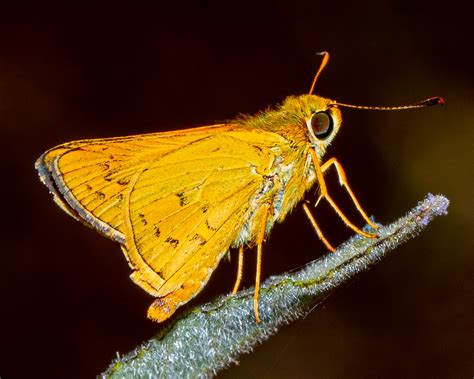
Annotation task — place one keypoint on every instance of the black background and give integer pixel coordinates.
(103, 70)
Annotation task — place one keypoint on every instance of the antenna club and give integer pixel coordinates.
(432, 101)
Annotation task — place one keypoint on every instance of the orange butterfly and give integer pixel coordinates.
(178, 201)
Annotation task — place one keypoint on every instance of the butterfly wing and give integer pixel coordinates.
(88, 178)
(175, 201)
(185, 210)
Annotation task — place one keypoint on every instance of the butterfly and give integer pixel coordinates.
(177, 201)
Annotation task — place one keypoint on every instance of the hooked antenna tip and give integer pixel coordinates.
(432, 101)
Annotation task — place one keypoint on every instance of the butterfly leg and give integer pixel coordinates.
(325, 195)
(260, 238)
(240, 270)
(343, 182)
(317, 229)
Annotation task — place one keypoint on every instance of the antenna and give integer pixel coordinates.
(421, 104)
(323, 64)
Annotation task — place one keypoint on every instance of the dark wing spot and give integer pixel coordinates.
(209, 226)
(89, 187)
(104, 166)
(157, 231)
(198, 237)
(143, 219)
(100, 195)
(173, 242)
(204, 209)
(123, 181)
(183, 200)
(216, 149)
(109, 175)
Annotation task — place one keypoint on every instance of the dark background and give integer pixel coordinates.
(74, 72)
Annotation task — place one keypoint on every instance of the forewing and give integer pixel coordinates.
(90, 178)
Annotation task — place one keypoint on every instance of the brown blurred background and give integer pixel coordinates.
(73, 72)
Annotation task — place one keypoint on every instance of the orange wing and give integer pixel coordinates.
(175, 201)
(88, 178)
(184, 211)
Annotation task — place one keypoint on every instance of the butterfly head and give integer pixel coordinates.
(321, 118)
(318, 118)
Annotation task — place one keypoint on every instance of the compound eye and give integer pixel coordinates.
(322, 124)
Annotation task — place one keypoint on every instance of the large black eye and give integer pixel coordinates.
(322, 124)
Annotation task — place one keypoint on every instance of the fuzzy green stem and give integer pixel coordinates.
(212, 336)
